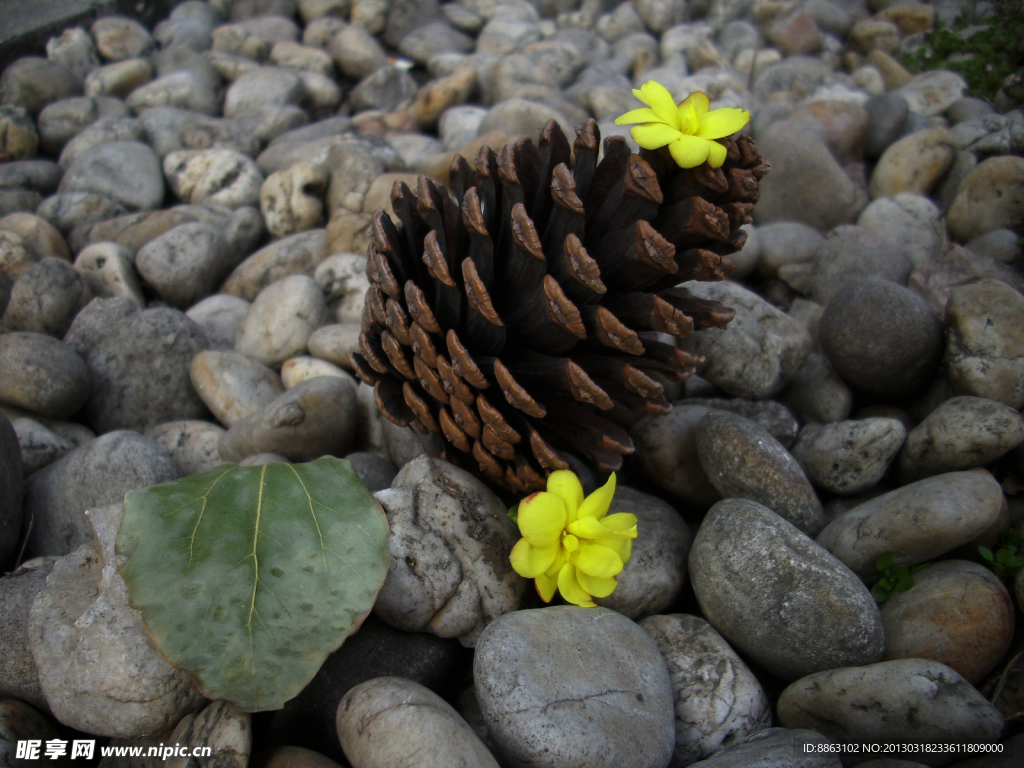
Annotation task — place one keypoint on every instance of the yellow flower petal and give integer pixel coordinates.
(570, 588)
(642, 115)
(597, 503)
(595, 586)
(654, 135)
(689, 151)
(689, 117)
(596, 560)
(621, 523)
(621, 547)
(542, 517)
(530, 561)
(566, 486)
(561, 558)
(716, 154)
(589, 528)
(546, 586)
(699, 102)
(722, 123)
(656, 96)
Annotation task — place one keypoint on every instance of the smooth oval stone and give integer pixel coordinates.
(39, 236)
(882, 338)
(335, 343)
(914, 523)
(232, 385)
(410, 725)
(872, 703)
(213, 176)
(98, 473)
(139, 364)
(192, 444)
(313, 419)
(779, 597)
(127, 172)
(850, 253)
(186, 263)
(667, 453)
(849, 457)
(549, 706)
(220, 316)
(450, 542)
(281, 319)
(104, 131)
(818, 393)
(297, 254)
(118, 37)
(910, 220)
(771, 416)
(220, 729)
(760, 350)
(299, 369)
(717, 698)
(958, 613)
(985, 341)
(991, 196)
(34, 82)
(655, 573)
(962, 433)
(42, 375)
(913, 164)
(743, 461)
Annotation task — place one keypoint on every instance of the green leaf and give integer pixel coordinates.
(900, 572)
(986, 553)
(513, 514)
(884, 561)
(1002, 556)
(880, 593)
(248, 577)
(904, 583)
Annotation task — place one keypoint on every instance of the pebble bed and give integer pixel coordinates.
(185, 216)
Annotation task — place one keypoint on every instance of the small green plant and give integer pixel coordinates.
(983, 57)
(1005, 561)
(898, 578)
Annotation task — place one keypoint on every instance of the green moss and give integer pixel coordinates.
(983, 58)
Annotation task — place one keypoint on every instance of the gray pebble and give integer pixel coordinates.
(281, 320)
(666, 449)
(882, 338)
(851, 253)
(191, 444)
(39, 445)
(375, 472)
(888, 113)
(98, 668)
(126, 172)
(962, 433)
(118, 38)
(718, 700)
(849, 457)
(777, 596)
(774, 418)
(108, 270)
(910, 220)
(357, 53)
(312, 419)
(743, 461)
(757, 353)
(655, 573)
(185, 263)
(63, 120)
(874, 702)
(411, 725)
(817, 393)
(296, 254)
(46, 298)
(384, 89)
(785, 242)
(34, 82)
(546, 704)
(450, 542)
(42, 375)
(183, 89)
(915, 523)
(74, 50)
(139, 364)
(220, 315)
(214, 176)
(18, 676)
(100, 472)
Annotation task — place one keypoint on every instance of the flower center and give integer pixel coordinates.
(570, 542)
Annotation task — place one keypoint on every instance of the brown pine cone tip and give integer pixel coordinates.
(526, 314)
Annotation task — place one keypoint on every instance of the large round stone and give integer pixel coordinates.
(547, 705)
(882, 338)
(42, 375)
(779, 597)
(127, 172)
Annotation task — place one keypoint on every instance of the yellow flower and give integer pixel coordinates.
(570, 543)
(689, 130)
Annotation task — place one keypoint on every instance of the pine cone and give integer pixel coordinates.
(528, 316)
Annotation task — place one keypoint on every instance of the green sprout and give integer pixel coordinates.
(898, 578)
(1005, 562)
